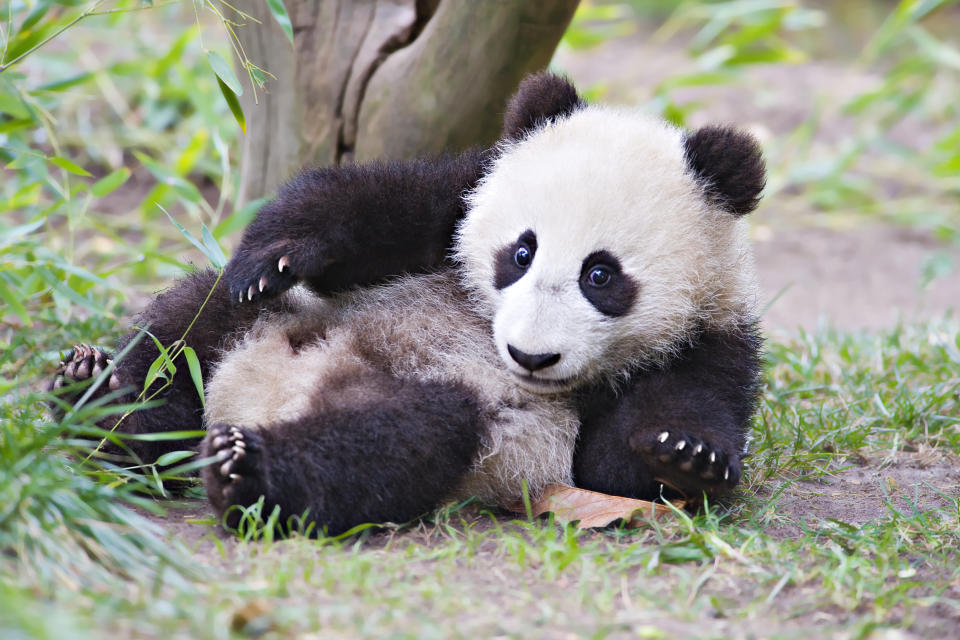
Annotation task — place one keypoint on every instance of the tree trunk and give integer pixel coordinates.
(385, 78)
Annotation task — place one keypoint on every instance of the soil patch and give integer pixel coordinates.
(910, 484)
(870, 278)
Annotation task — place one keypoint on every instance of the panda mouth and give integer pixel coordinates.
(544, 384)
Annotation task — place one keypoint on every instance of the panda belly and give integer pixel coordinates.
(420, 326)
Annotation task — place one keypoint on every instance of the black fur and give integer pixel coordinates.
(617, 295)
(705, 397)
(389, 460)
(730, 165)
(540, 97)
(506, 270)
(356, 225)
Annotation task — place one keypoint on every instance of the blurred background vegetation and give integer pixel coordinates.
(114, 113)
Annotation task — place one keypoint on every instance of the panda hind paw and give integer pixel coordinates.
(83, 362)
(689, 463)
(235, 476)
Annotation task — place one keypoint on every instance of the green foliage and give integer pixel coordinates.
(101, 146)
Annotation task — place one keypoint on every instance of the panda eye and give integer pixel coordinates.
(606, 286)
(523, 256)
(512, 261)
(599, 277)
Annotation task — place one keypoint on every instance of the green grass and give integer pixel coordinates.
(769, 562)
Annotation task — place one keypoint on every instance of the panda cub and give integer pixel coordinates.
(575, 305)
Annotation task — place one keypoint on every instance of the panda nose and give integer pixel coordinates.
(533, 361)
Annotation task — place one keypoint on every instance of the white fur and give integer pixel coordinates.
(614, 180)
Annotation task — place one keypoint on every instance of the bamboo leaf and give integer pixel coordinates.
(214, 254)
(224, 72)
(69, 293)
(110, 182)
(163, 360)
(8, 235)
(193, 363)
(70, 166)
(13, 105)
(164, 436)
(154, 372)
(234, 105)
(213, 248)
(280, 14)
(239, 219)
(164, 175)
(173, 457)
(66, 83)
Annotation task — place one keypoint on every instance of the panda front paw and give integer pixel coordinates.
(687, 463)
(255, 274)
(237, 475)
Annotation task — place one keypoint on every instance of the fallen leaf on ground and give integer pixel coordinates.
(252, 618)
(593, 509)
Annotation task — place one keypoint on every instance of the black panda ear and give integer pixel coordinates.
(730, 166)
(541, 96)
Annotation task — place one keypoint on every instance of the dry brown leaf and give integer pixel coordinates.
(252, 617)
(593, 509)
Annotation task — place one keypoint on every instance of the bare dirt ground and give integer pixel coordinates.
(860, 494)
(867, 278)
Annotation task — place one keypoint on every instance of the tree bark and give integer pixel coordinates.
(369, 79)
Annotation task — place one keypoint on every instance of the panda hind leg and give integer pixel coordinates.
(395, 454)
(197, 306)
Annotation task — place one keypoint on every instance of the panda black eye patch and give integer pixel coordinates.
(513, 260)
(605, 286)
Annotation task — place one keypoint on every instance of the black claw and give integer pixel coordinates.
(687, 462)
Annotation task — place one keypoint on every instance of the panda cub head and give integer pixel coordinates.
(602, 240)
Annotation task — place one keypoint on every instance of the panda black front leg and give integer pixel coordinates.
(683, 425)
(335, 228)
(682, 461)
